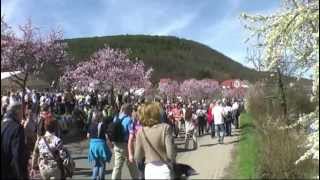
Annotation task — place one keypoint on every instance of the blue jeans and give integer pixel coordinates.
(98, 170)
(220, 129)
(228, 128)
(212, 126)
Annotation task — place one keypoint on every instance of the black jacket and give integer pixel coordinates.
(13, 150)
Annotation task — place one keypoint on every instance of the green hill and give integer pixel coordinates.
(170, 57)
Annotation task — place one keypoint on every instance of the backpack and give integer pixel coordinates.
(229, 116)
(115, 130)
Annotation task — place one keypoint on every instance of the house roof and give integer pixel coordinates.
(229, 82)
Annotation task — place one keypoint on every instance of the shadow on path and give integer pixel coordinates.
(226, 143)
(87, 172)
(179, 150)
(180, 143)
(236, 141)
(208, 145)
(73, 136)
(80, 157)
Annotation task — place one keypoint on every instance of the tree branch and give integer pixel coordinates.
(19, 83)
(16, 76)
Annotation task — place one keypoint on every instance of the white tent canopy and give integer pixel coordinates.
(5, 75)
(32, 83)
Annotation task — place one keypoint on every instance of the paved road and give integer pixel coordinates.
(210, 160)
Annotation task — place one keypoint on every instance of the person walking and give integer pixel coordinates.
(30, 131)
(155, 143)
(14, 158)
(121, 147)
(134, 129)
(45, 112)
(177, 117)
(210, 120)
(68, 101)
(235, 113)
(48, 152)
(228, 118)
(190, 128)
(99, 152)
(4, 105)
(218, 121)
(201, 113)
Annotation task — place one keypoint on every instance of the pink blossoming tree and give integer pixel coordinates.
(234, 92)
(108, 69)
(197, 89)
(168, 87)
(30, 52)
(208, 87)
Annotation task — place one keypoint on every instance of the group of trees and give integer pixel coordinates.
(32, 51)
(104, 70)
(197, 89)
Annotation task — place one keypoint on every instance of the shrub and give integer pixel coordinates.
(279, 152)
(279, 146)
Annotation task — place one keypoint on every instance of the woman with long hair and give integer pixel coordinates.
(155, 143)
(48, 149)
(134, 129)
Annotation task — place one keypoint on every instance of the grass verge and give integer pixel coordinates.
(247, 152)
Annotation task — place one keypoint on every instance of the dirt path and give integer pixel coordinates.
(209, 160)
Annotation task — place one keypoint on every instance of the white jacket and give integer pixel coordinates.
(218, 114)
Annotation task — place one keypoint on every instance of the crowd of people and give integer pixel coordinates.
(137, 131)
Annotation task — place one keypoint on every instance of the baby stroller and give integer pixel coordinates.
(190, 133)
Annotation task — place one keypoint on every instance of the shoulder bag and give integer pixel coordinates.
(171, 165)
(66, 170)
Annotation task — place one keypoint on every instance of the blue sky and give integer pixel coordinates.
(212, 22)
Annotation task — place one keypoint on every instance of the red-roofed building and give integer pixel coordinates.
(164, 80)
(234, 83)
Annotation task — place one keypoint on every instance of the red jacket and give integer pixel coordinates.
(209, 116)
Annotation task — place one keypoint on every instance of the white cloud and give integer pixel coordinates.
(228, 35)
(176, 24)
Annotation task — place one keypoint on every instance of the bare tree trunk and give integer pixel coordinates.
(24, 84)
(283, 99)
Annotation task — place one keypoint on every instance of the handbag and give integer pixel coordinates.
(171, 165)
(66, 166)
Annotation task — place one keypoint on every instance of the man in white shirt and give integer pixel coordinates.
(218, 121)
(42, 99)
